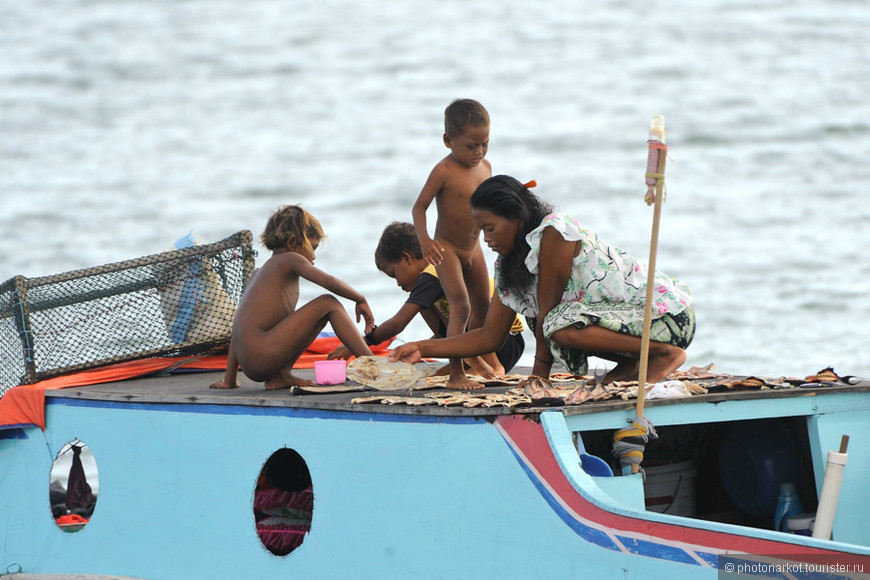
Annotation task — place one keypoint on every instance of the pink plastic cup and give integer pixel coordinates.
(330, 372)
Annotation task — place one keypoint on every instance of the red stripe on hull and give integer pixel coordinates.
(530, 440)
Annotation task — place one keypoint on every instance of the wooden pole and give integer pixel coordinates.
(650, 281)
(656, 183)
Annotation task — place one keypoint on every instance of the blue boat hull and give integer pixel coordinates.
(395, 495)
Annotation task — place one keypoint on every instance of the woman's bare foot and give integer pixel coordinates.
(625, 370)
(221, 384)
(463, 383)
(664, 363)
(664, 359)
(286, 379)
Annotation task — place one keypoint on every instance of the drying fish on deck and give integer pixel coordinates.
(471, 400)
(537, 393)
(696, 388)
(662, 390)
(373, 399)
(596, 393)
(579, 395)
(567, 381)
(541, 394)
(748, 383)
(456, 399)
(569, 378)
(504, 380)
(392, 400)
(505, 400)
(324, 390)
(601, 392)
(381, 374)
(705, 372)
(745, 383)
(824, 375)
(828, 376)
(410, 401)
(547, 398)
(668, 390)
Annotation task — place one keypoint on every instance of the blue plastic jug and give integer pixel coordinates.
(789, 504)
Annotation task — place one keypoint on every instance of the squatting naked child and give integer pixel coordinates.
(269, 332)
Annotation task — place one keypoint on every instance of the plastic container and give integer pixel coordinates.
(801, 524)
(594, 465)
(591, 464)
(788, 505)
(330, 372)
(670, 488)
(754, 458)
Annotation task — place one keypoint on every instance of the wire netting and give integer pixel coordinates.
(177, 303)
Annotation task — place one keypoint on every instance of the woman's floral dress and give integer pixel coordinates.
(607, 288)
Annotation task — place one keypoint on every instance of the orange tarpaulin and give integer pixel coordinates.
(24, 405)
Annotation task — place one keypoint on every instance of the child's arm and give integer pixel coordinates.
(487, 338)
(432, 249)
(363, 310)
(307, 270)
(384, 330)
(396, 324)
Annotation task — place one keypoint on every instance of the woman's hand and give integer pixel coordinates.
(409, 353)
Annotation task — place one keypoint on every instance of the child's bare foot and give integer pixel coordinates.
(223, 385)
(286, 379)
(463, 383)
(478, 366)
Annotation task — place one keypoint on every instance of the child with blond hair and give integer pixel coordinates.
(269, 331)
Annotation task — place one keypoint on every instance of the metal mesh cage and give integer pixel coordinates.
(176, 303)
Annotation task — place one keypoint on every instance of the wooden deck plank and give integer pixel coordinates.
(193, 388)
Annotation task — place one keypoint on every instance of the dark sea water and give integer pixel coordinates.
(124, 124)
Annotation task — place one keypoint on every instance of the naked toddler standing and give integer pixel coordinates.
(455, 249)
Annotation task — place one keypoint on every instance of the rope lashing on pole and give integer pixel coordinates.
(629, 442)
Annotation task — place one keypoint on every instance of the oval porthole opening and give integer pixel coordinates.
(283, 502)
(73, 486)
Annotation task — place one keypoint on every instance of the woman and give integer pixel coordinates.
(586, 298)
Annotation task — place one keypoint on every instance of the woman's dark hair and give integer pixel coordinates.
(506, 197)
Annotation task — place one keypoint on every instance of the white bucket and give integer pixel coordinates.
(670, 488)
(802, 524)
